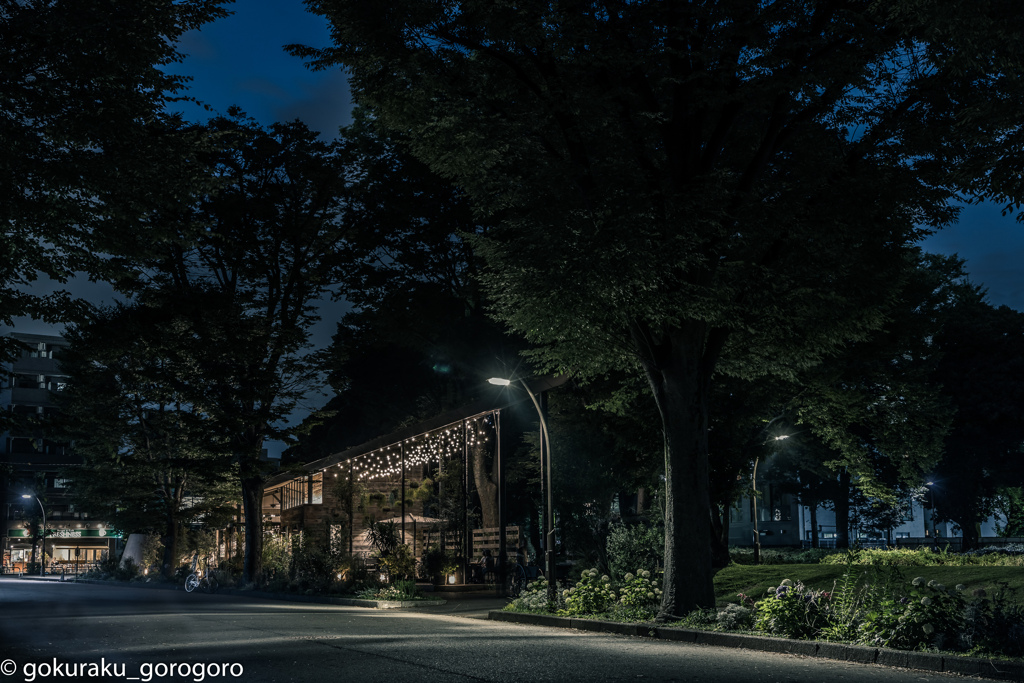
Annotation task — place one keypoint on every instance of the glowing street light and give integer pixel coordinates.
(549, 515)
(42, 563)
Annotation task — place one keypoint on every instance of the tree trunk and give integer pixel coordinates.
(252, 510)
(170, 541)
(969, 528)
(814, 525)
(720, 537)
(842, 507)
(482, 462)
(679, 376)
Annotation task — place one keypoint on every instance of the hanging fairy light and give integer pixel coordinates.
(424, 449)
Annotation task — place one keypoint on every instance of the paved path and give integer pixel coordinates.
(142, 630)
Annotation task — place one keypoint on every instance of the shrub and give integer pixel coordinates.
(591, 595)
(399, 564)
(639, 590)
(399, 590)
(316, 561)
(792, 610)
(127, 570)
(994, 625)
(533, 599)
(277, 559)
(631, 547)
(927, 614)
(734, 617)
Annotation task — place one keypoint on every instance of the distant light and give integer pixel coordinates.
(25, 495)
(499, 381)
(927, 483)
(780, 438)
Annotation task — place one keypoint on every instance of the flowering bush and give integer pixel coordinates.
(792, 610)
(591, 595)
(638, 590)
(733, 617)
(928, 614)
(534, 598)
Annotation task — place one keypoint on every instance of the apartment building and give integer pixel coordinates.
(31, 463)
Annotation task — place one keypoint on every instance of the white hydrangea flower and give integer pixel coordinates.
(918, 581)
(928, 629)
(926, 601)
(786, 582)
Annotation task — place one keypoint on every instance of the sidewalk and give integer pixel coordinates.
(997, 669)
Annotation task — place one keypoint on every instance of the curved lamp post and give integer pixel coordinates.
(549, 515)
(42, 563)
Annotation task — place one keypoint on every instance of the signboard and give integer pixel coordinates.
(66, 533)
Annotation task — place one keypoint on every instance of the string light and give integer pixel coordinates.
(425, 449)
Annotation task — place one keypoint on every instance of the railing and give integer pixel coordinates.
(953, 543)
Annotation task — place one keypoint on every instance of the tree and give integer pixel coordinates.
(982, 373)
(417, 341)
(244, 271)
(152, 462)
(685, 188)
(89, 147)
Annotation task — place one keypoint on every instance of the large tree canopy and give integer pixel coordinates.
(89, 148)
(152, 461)
(245, 270)
(682, 188)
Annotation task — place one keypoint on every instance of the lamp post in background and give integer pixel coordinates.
(931, 500)
(549, 515)
(757, 533)
(42, 562)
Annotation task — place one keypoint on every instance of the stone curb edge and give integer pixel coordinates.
(924, 661)
(287, 597)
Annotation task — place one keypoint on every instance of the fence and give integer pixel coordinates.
(952, 543)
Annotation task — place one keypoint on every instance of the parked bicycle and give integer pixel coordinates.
(203, 579)
(515, 582)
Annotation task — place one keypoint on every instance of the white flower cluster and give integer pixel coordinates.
(639, 590)
(590, 595)
(534, 598)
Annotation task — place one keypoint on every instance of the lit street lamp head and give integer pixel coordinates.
(500, 381)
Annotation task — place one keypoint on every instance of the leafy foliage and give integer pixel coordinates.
(639, 590)
(681, 189)
(590, 595)
(636, 548)
(792, 610)
(91, 153)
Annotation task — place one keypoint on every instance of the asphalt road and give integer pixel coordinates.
(138, 634)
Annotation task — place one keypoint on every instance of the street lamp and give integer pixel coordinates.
(549, 515)
(42, 563)
(931, 496)
(757, 533)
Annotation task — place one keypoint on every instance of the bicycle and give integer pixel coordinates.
(515, 582)
(203, 580)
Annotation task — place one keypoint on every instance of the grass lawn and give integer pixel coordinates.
(754, 580)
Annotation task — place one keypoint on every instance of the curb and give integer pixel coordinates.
(999, 670)
(262, 595)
